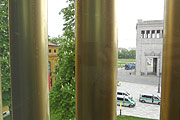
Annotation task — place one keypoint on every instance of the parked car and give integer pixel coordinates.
(125, 101)
(124, 93)
(149, 98)
(130, 66)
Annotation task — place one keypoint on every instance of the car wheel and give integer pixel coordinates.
(143, 101)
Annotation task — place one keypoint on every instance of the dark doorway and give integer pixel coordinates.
(155, 65)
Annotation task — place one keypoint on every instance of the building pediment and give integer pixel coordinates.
(152, 53)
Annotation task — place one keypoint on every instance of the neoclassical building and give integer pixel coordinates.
(149, 43)
(52, 60)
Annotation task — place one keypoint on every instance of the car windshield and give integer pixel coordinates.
(158, 97)
(127, 93)
(130, 98)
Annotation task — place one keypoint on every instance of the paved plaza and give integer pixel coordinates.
(136, 85)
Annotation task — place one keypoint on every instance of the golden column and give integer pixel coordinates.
(170, 105)
(1, 106)
(96, 59)
(29, 59)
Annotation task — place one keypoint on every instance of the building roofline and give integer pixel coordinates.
(52, 44)
(141, 22)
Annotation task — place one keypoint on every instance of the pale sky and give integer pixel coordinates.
(128, 12)
(55, 21)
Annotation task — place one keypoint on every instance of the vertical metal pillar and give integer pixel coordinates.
(29, 59)
(1, 106)
(96, 60)
(170, 105)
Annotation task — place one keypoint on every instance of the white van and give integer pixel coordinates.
(124, 93)
(125, 101)
(149, 98)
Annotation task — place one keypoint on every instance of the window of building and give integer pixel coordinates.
(158, 34)
(148, 34)
(49, 50)
(153, 34)
(142, 34)
(54, 50)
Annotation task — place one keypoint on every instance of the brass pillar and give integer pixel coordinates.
(96, 59)
(29, 59)
(1, 106)
(170, 105)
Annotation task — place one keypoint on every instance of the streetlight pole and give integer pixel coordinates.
(159, 82)
(159, 74)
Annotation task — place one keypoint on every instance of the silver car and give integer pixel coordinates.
(149, 98)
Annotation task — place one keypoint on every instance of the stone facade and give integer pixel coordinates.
(149, 43)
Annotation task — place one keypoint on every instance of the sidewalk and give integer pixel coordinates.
(143, 110)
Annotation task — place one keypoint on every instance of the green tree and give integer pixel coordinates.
(55, 40)
(119, 55)
(125, 54)
(62, 95)
(132, 54)
(4, 52)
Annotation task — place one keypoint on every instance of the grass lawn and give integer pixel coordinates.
(7, 118)
(126, 60)
(118, 118)
(130, 118)
(122, 62)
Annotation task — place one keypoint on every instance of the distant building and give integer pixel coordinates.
(149, 43)
(120, 49)
(52, 60)
(131, 49)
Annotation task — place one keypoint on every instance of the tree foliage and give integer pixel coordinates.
(4, 52)
(55, 40)
(62, 95)
(125, 54)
